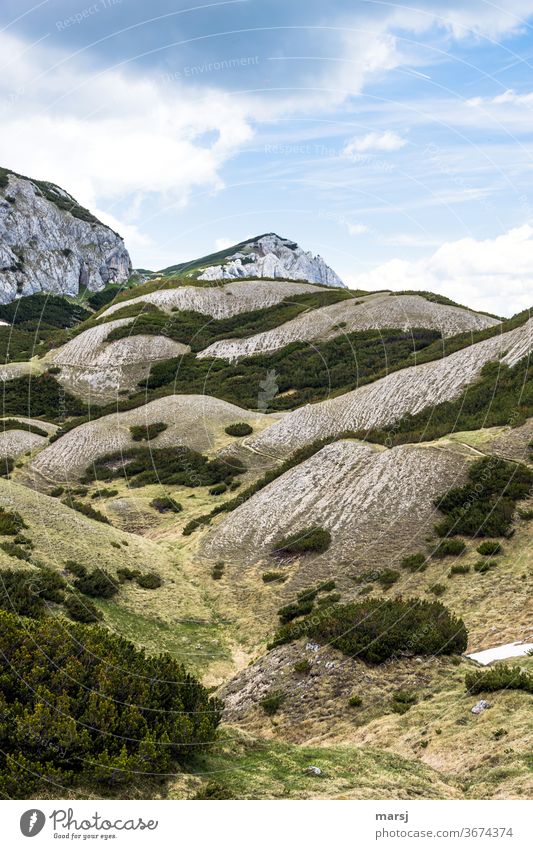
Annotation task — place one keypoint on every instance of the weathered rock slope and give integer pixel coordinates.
(377, 505)
(373, 312)
(197, 421)
(382, 403)
(45, 247)
(220, 301)
(90, 366)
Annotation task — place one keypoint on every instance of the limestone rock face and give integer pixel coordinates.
(272, 256)
(48, 243)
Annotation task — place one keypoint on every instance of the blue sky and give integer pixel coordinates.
(393, 139)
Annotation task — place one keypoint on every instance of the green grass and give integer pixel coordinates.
(258, 769)
(196, 644)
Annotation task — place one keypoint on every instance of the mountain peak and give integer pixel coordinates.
(265, 256)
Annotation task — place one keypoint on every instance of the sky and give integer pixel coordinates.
(393, 139)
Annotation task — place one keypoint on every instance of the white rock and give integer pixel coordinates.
(272, 256)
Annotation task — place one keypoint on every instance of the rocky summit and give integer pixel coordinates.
(272, 256)
(49, 243)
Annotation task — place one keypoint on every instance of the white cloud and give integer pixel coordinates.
(494, 275)
(357, 229)
(385, 141)
(508, 98)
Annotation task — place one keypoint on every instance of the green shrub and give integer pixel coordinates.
(14, 550)
(11, 522)
(15, 424)
(402, 701)
(489, 548)
(75, 568)
(239, 429)
(218, 570)
(302, 666)
(378, 629)
(213, 790)
(81, 609)
(149, 581)
(272, 703)
(166, 504)
(98, 584)
(294, 610)
(87, 510)
(57, 491)
(126, 574)
(415, 562)
(272, 577)
(437, 589)
(7, 464)
(218, 489)
(312, 539)
(355, 701)
(499, 677)
(105, 493)
(459, 569)
(147, 431)
(485, 506)
(449, 547)
(25, 591)
(85, 708)
(482, 566)
(326, 600)
(387, 578)
(169, 466)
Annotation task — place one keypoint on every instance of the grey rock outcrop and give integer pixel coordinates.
(48, 243)
(272, 256)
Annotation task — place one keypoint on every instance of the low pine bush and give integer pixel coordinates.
(355, 701)
(489, 548)
(459, 569)
(98, 584)
(147, 432)
(166, 504)
(449, 547)
(500, 677)
(313, 539)
(415, 562)
(81, 609)
(272, 703)
(239, 429)
(149, 581)
(273, 577)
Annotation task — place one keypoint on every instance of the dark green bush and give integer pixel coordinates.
(218, 489)
(25, 591)
(57, 491)
(449, 547)
(125, 574)
(7, 464)
(272, 703)
(489, 548)
(482, 566)
(87, 510)
(377, 629)
(402, 701)
(166, 504)
(272, 577)
(387, 578)
(147, 431)
(82, 706)
(355, 701)
(313, 539)
(218, 570)
(15, 424)
(459, 569)
(485, 506)
(81, 609)
(302, 666)
(499, 677)
(98, 584)
(214, 790)
(415, 562)
(11, 522)
(105, 493)
(239, 429)
(14, 550)
(437, 589)
(149, 581)
(75, 568)
(171, 466)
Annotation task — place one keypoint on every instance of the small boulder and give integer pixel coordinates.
(313, 770)
(481, 706)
